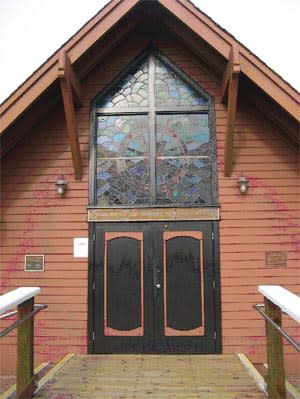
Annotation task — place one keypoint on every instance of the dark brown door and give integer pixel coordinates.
(154, 288)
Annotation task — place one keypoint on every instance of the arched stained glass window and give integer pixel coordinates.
(153, 143)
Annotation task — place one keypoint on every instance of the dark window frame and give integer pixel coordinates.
(152, 111)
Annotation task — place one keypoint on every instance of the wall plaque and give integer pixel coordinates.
(152, 214)
(275, 258)
(34, 263)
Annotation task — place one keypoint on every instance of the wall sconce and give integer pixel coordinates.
(243, 185)
(61, 185)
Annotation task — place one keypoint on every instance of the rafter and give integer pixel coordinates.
(71, 93)
(230, 85)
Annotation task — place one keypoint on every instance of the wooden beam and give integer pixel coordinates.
(233, 85)
(225, 82)
(66, 70)
(67, 90)
(25, 385)
(67, 96)
(276, 374)
(50, 374)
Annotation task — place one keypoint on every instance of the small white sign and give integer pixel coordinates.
(81, 247)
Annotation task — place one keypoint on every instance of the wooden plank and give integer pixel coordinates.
(276, 373)
(145, 376)
(260, 382)
(65, 70)
(290, 388)
(225, 82)
(144, 214)
(10, 391)
(66, 90)
(25, 352)
(53, 371)
(233, 86)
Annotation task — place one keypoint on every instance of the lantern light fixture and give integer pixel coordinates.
(243, 184)
(61, 185)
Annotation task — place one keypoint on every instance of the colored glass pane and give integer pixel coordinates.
(123, 182)
(171, 90)
(182, 162)
(122, 160)
(129, 92)
(182, 134)
(122, 136)
(183, 180)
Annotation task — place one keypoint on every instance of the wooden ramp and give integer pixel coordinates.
(151, 376)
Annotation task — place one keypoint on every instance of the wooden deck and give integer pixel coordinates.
(151, 376)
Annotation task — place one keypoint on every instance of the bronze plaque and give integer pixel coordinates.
(276, 258)
(34, 263)
(151, 214)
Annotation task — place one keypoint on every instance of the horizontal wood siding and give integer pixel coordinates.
(36, 220)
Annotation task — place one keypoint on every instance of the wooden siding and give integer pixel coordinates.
(36, 220)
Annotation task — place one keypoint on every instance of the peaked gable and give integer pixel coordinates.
(254, 72)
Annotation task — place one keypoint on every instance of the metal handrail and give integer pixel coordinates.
(277, 300)
(22, 298)
(260, 308)
(37, 307)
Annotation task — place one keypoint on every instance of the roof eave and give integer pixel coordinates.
(258, 72)
(47, 74)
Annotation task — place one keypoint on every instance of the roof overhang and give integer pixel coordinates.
(267, 89)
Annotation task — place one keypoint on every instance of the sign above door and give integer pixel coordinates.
(152, 214)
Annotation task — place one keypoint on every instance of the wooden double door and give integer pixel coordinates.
(155, 288)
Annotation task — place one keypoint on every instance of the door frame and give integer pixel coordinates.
(92, 265)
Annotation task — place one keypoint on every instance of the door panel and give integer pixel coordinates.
(183, 283)
(154, 288)
(123, 284)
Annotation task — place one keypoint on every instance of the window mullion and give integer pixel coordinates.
(152, 139)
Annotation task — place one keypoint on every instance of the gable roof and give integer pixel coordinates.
(196, 22)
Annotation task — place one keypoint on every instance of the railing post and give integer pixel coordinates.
(276, 375)
(25, 354)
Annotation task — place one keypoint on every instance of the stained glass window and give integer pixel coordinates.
(182, 159)
(129, 92)
(171, 90)
(122, 160)
(159, 155)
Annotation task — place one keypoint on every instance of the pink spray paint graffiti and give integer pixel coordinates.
(284, 225)
(28, 244)
(42, 200)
